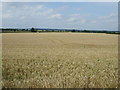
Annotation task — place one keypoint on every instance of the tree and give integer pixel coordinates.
(33, 30)
(14, 30)
(73, 30)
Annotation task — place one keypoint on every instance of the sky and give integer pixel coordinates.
(68, 15)
(60, 0)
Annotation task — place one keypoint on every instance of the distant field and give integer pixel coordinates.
(60, 60)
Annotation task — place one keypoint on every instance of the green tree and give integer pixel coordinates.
(33, 30)
(73, 30)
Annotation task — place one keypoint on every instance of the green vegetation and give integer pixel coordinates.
(9, 30)
(33, 30)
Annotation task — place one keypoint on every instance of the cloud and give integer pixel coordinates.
(76, 18)
(112, 15)
(0, 9)
(56, 16)
(60, 0)
(7, 15)
(109, 21)
(78, 9)
(106, 22)
(26, 15)
(27, 11)
(39, 15)
(93, 21)
(63, 8)
(0, 14)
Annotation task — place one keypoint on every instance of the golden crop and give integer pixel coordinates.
(60, 60)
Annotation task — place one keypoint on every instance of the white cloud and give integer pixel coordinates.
(56, 16)
(7, 15)
(78, 9)
(28, 11)
(72, 19)
(25, 15)
(76, 18)
(47, 12)
(108, 19)
(93, 21)
(34, 15)
(0, 14)
(104, 22)
(65, 7)
(108, 16)
(60, 0)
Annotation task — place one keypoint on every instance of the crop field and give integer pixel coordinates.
(60, 60)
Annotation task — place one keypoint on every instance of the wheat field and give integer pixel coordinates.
(60, 60)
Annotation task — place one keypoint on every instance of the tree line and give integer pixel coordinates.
(10, 30)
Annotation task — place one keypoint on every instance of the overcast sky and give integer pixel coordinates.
(77, 15)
